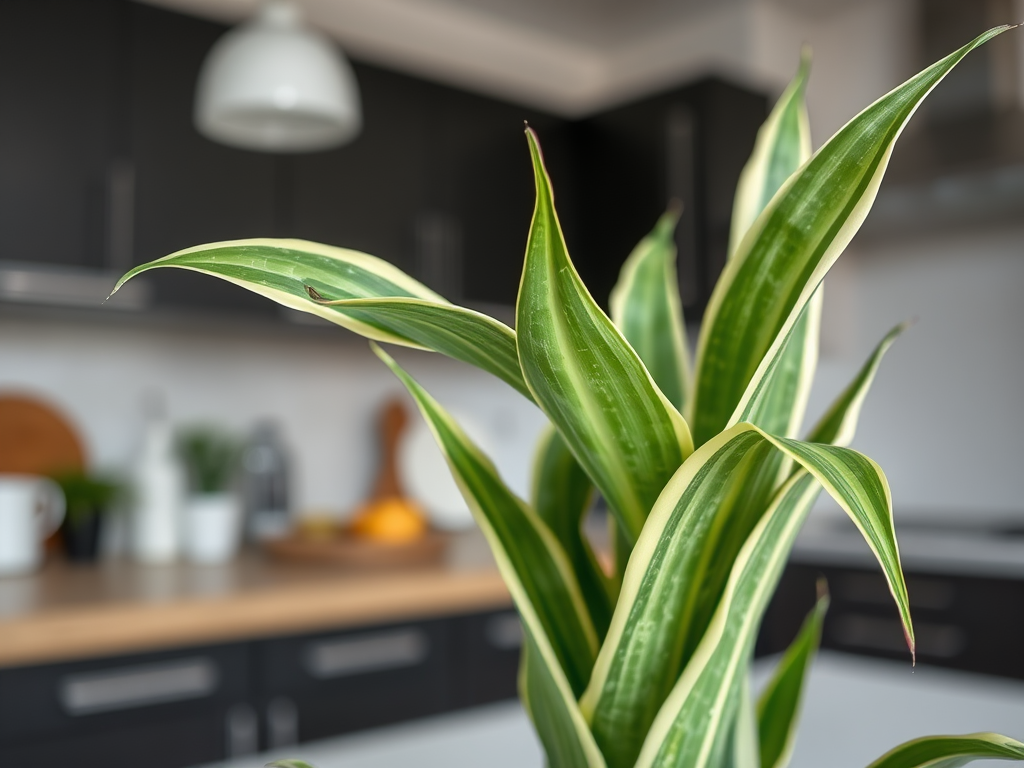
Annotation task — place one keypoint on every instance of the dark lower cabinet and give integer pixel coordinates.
(162, 710)
(488, 653)
(971, 623)
(202, 704)
(322, 685)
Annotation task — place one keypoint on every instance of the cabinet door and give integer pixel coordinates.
(321, 685)
(487, 657)
(58, 63)
(162, 710)
(188, 190)
(962, 622)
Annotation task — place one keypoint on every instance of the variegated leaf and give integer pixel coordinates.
(786, 252)
(951, 751)
(692, 728)
(670, 577)
(532, 562)
(567, 741)
(646, 307)
(743, 749)
(778, 706)
(562, 494)
(587, 379)
(360, 292)
(783, 144)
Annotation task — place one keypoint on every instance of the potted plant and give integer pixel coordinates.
(87, 500)
(646, 664)
(212, 525)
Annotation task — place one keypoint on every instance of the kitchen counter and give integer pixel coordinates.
(71, 611)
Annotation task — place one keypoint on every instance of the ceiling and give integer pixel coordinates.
(570, 57)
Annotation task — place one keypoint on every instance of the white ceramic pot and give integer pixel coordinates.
(31, 508)
(212, 527)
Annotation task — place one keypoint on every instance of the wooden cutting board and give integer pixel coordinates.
(36, 439)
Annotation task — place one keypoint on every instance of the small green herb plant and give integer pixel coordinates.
(211, 458)
(646, 664)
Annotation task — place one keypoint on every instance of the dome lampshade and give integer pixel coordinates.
(274, 85)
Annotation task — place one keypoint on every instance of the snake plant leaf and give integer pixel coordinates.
(951, 751)
(532, 562)
(562, 494)
(289, 764)
(778, 706)
(786, 252)
(622, 429)
(460, 333)
(555, 714)
(783, 144)
(360, 292)
(692, 728)
(743, 749)
(668, 578)
(839, 423)
(646, 307)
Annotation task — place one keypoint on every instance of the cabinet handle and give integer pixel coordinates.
(504, 632)
(242, 730)
(340, 657)
(282, 723)
(143, 685)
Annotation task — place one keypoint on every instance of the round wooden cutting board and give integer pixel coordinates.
(36, 439)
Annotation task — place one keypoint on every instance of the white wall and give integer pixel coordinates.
(945, 416)
(324, 390)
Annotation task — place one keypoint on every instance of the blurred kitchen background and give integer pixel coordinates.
(102, 167)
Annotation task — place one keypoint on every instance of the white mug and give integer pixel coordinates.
(31, 508)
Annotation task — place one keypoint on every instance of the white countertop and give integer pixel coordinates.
(855, 710)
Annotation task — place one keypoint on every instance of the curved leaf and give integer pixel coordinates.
(778, 707)
(785, 254)
(951, 751)
(556, 716)
(531, 561)
(783, 144)
(669, 578)
(742, 749)
(646, 307)
(586, 377)
(357, 291)
(693, 725)
(562, 494)
(459, 333)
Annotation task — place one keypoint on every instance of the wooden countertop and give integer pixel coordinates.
(77, 611)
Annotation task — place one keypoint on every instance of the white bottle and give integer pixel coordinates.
(159, 495)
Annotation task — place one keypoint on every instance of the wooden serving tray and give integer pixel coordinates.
(360, 553)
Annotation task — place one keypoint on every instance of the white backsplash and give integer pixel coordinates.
(324, 391)
(943, 419)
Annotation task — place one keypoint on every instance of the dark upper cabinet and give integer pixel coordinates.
(102, 167)
(690, 144)
(439, 183)
(58, 64)
(187, 190)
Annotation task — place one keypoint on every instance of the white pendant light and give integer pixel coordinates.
(274, 85)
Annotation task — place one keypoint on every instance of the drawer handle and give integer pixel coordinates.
(375, 652)
(504, 632)
(144, 685)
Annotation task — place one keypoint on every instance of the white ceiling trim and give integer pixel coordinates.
(480, 51)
